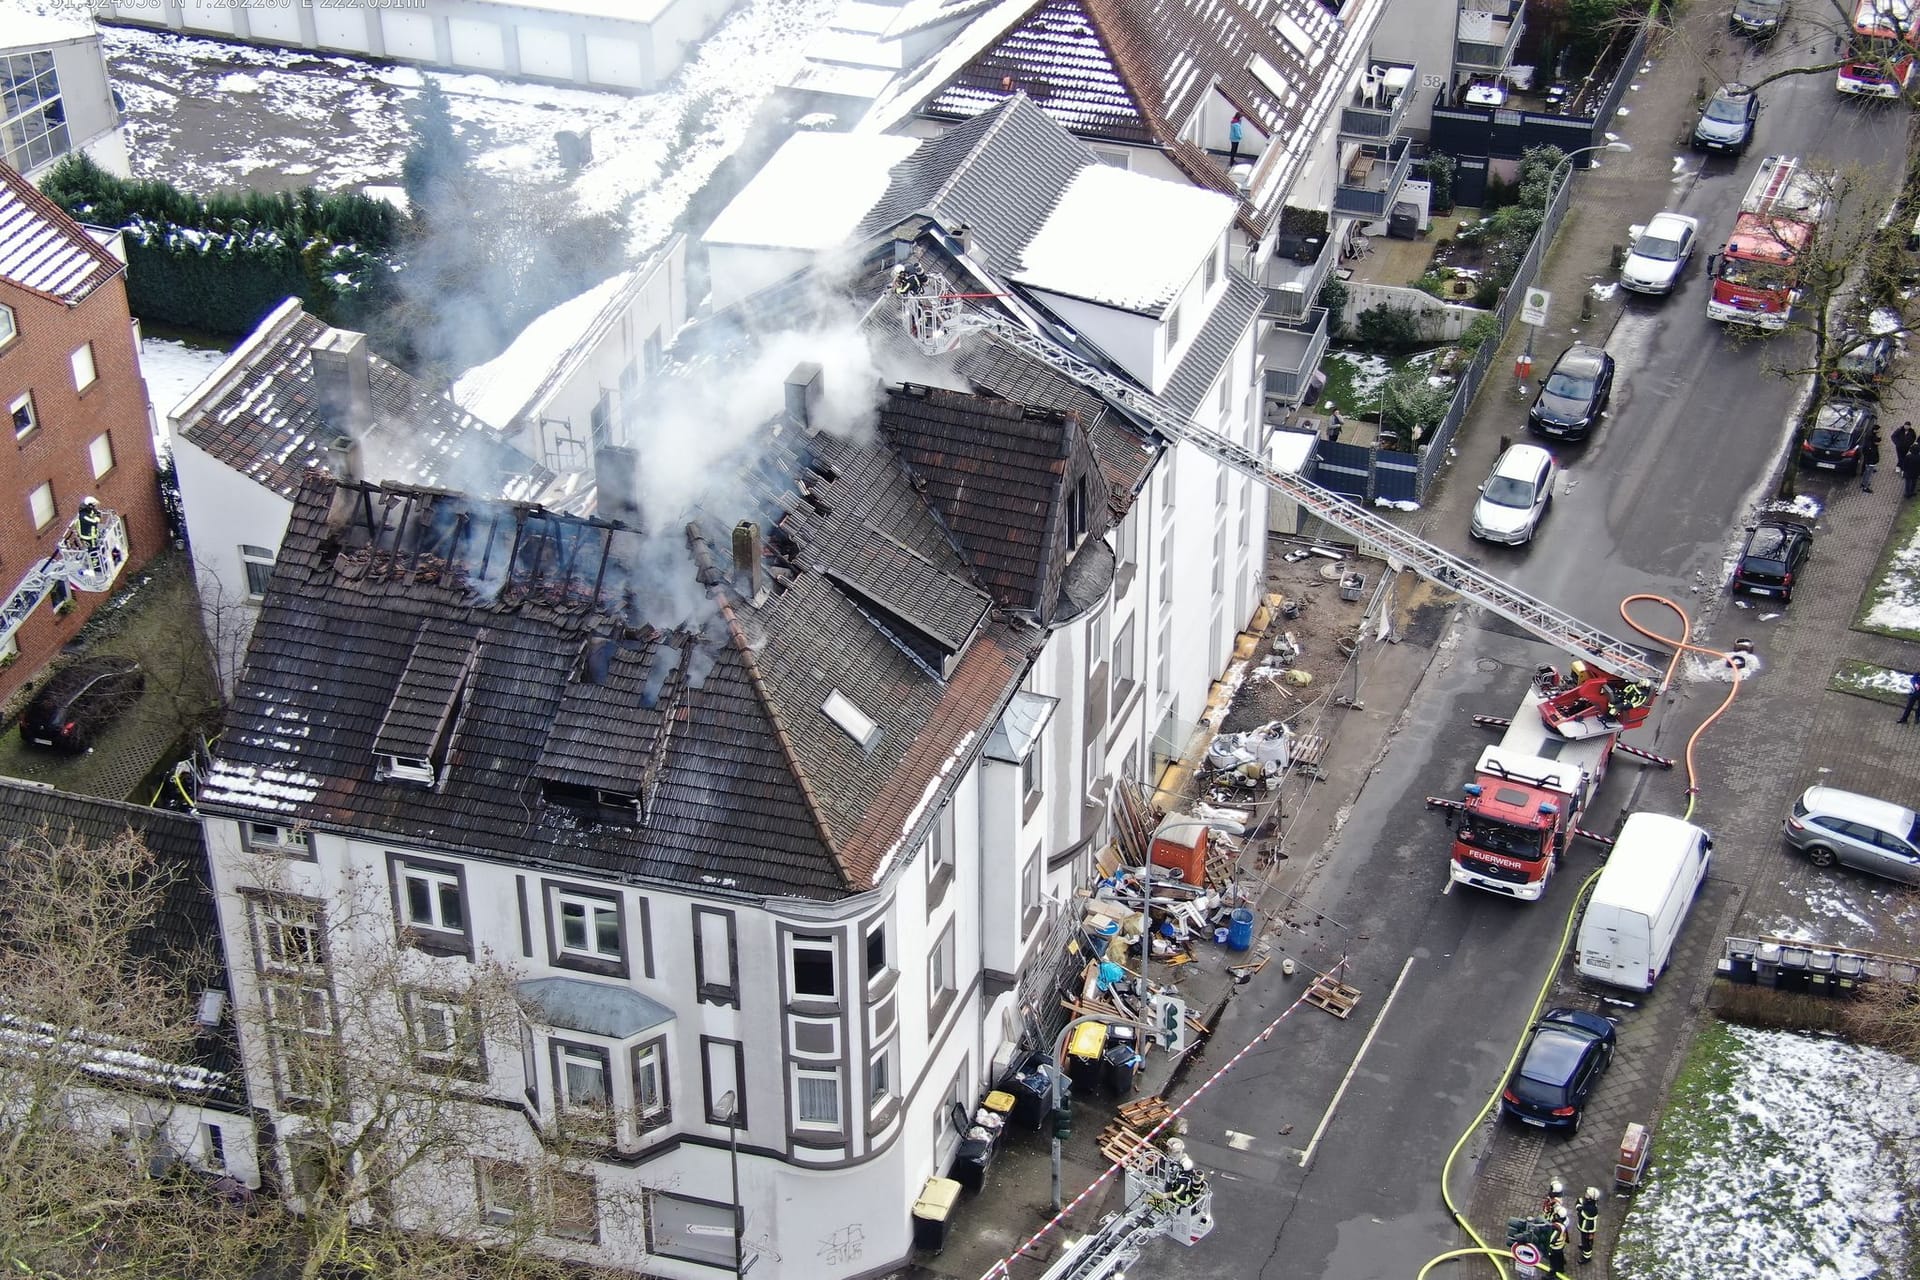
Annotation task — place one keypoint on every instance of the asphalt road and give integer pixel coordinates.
(1653, 503)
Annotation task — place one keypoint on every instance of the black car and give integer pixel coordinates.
(1839, 436)
(80, 700)
(1567, 1052)
(1726, 123)
(1759, 19)
(1574, 393)
(1776, 548)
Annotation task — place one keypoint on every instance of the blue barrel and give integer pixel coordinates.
(1240, 929)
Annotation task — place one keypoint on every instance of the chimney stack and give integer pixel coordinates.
(343, 458)
(616, 478)
(963, 236)
(749, 569)
(343, 381)
(803, 396)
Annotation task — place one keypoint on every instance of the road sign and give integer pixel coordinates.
(1533, 306)
(1527, 1257)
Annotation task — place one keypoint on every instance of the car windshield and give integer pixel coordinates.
(1552, 1058)
(1494, 836)
(1727, 110)
(1761, 8)
(1508, 491)
(1832, 438)
(1769, 543)
(1658, 248)
(1754, 275)
(1570, 386)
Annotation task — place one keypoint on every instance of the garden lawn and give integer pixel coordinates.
(1892, 605)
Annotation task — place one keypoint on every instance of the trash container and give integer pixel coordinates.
(1353, 586)
(1240, 929)
(1032, 1095)
(1084, 1047)
(970, 1161)
(933, 1213)
(1123, 1062)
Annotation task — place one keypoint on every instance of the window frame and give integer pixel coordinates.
(23, 405)
(272, 923)
(93, 454)
(578, 1051)
(292, 841)
(817, 1073)
(33, 504)
(588, 959)
(725, 994)
(1033, 889)
(434, 937)
(252, 558)
(652, 1051)
(9, 325)
(463, 1058)
(80, 386)
(942, 857)
(826, 944)
(489, 1175)
(1123, 669)
(943, 980)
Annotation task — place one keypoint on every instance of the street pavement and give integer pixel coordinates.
(1327, 1143)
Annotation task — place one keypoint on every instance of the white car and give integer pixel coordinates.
(1660, 254)
(1517, 493)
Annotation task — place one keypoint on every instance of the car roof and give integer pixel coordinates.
(1839, 407)
(1669, 225)
(1521, 461)
(1733, 89)
(1884, 815)
(1555, 1052)
(1581, 359)
(1769, 539)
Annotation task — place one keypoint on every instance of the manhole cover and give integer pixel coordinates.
(1486, 664)
(1331, 572)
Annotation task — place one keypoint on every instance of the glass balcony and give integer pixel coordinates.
(1372, 180)
(1379, 102)
(1292, 355)
(1487, 35)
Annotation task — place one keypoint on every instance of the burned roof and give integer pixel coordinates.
(262, 414)
(553, 721)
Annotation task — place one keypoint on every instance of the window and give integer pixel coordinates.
(1163, 659)
(1210, 272)
(300, 1035)
(573, 1209)
(505, 1190)
(723, 1062)
(287, 935)
(100, 454)
(1030, 890)
(7, 326)
(690, 1230)
(816, 1097)
(1123, 663)
(213, 1148)
(1219, 560)
(880, 1077)
(446, 1035)
(940, 857)
(940, 977)
(1220, 494)
(1225, 395)
(713, 957)
(84, 374)
(580, 1073)
(23, 419)
(1033, 769)
(1166, 564)
(60, 594)
(34, 117)
(530, 1063)
(877, 967)
(955, 1103)
(811, 969)
(432, 901)
(265, 835)
(10, 648)
(258, 563)
(587, 927)
(1171, 459)
(650, 1082)
(41, 506)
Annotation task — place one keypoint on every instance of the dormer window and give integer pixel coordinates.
(405, 769)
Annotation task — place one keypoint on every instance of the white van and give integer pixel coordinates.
(1652, 876)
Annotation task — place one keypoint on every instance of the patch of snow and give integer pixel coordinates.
(237, 83)
(1604, 291)
(1801, 505)
(1370, 372)
(813, 192)
(958, 754)
(1400, 505)
(1792, 1175)
(171, 370)
(1898, 604)
(1125, 239)
(495, 392)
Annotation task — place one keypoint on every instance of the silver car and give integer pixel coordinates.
(1517, 493)
(1660, 254)
(1829, 826)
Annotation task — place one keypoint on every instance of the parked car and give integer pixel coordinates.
(1726, 123)
(1516, 495)
(1759, 19)
(1866, 354)
(1776, 547)
(1840, 432)
(1566, 1053)
(1574, 393)
(1830, 825)
(80, 700)
(1660, 254)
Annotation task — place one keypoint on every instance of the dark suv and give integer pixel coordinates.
(1759, 19)
(1839, 436)
(1776, 548)
(80, 700)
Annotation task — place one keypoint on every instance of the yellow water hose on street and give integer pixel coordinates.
(1681, 646)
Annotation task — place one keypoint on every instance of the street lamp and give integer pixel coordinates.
(1553, 182)
(730, 1103)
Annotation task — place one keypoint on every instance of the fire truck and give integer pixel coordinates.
(1530, 790)
(1755, 276)
(1880, 55)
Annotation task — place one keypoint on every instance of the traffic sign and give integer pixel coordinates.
(1527, 1256)
(1533, 306)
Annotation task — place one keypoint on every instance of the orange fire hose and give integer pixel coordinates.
(1682, 646)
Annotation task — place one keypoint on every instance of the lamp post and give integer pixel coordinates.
(729, 1102)
(1566, 161)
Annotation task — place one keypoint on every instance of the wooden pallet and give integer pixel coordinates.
(1143, 1114)
(1308, 748)
(1336, 997)
(1120, 1144)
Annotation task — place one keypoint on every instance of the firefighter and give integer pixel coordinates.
(1553, 1204)
(1589, 1221)
(1557, 1244)
(86, 525)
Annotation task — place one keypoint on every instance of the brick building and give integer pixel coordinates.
(79, 427)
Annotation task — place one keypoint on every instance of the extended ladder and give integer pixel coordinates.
(79, 565)
(936, 323)
(1165, 1197)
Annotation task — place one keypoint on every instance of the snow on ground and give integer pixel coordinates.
(1778, 1164)
(1370, 371)
(1896, 605)
(204, 114)
(172, 369)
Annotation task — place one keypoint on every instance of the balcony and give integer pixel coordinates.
(1379, 102)
(1372, 181)
(1294, 279)
(1486, 36)
(1292, 355)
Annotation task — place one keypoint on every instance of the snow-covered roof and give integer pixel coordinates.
(43, 249)
(1288, 451)
(1125, 239)
(36, 30)
(813, 192)
(497, 391)
(633, 11)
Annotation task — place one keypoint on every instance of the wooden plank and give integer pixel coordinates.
(1308, 748)
(1328, 993)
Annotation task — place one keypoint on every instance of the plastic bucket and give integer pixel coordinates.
(1240, 929)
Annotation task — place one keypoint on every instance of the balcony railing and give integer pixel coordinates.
(1293, 287)
(1292, 355)
(1379, 102)
(1372, 181)
(1485, 41)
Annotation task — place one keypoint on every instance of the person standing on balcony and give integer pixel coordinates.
(1236, 132)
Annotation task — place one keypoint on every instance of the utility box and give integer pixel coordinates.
(1180, 844)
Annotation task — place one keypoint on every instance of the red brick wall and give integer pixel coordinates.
(38, 359)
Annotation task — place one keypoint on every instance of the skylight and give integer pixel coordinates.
(1269, 75)
(854, 722)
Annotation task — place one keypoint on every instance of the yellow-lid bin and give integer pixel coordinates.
(936, 1200)
(1000, 1102)
(1089, 1038)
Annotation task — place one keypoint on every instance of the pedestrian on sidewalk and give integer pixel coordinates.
(1869, 459)
(1236, 134)
(1913, 699)
(1908, 459)
(1588, 1216)
(1903, 438)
